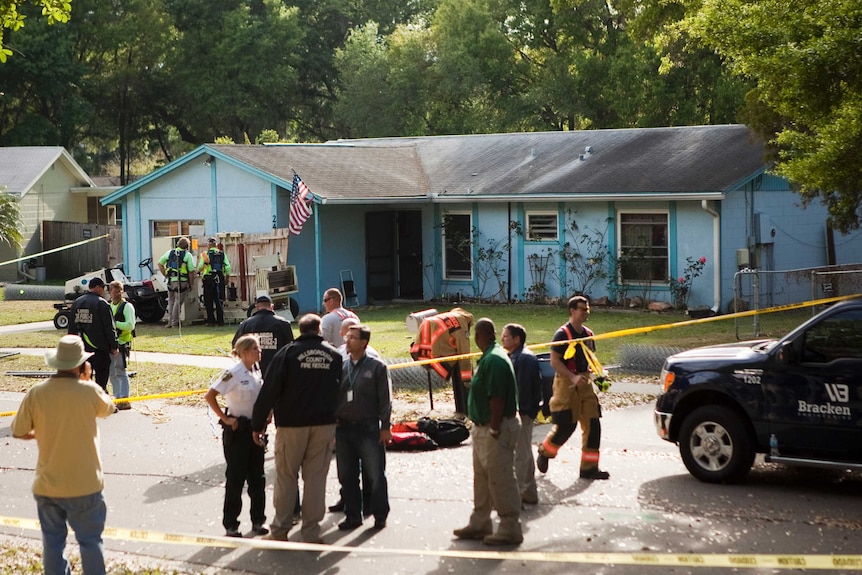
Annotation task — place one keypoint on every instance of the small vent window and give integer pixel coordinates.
(542, 227)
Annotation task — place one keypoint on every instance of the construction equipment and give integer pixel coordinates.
(150, 297)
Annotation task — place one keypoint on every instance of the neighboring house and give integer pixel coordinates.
(48, 185)
(414, 218)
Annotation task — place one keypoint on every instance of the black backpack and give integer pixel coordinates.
(217, 261)
(175, 261)
(444, 432)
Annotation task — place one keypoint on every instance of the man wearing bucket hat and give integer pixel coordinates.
(60, 414)
(93, 321)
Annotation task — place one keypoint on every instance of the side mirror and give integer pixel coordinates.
(786, 353)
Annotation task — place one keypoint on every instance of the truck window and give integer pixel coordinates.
(838, 337)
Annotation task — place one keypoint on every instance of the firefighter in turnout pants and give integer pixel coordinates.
(574, 399)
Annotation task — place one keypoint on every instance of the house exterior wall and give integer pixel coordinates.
(765, 218)
(48, 199)
(342, 247)
(589, 229)
(228, 199)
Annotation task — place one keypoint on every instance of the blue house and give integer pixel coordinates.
(501, 216)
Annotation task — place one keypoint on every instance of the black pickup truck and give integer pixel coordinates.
(798, 400)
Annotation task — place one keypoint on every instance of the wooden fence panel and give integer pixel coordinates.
(73, 262)
(242, 268)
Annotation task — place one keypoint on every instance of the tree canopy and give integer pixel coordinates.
(11, 18)
(128, 83)
(805, 59)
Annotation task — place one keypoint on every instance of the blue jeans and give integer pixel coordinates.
(86, 515)
(358, 445)
(119, 377)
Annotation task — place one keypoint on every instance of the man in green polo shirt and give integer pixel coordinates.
(492, 405)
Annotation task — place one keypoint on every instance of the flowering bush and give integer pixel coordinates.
(680, 287)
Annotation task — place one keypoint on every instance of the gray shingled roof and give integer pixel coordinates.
(20, 167)
(338, 171)
(695, 159)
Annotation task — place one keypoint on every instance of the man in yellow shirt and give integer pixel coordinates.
(60, 414)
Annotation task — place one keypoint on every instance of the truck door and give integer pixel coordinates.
(816, 399)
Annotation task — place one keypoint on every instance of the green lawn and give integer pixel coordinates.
(390, 336)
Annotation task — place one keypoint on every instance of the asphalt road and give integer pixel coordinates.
(164, 473)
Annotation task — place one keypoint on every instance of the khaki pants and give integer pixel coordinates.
(494, 482)
(308, 449)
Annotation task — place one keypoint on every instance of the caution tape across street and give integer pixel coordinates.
(726, 560)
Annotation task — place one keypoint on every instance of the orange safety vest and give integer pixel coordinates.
(443, 335)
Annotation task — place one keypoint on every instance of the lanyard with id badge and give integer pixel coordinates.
(352, 374)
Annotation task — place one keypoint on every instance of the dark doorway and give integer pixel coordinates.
(393, 243)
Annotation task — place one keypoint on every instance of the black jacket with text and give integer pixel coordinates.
(300, 385)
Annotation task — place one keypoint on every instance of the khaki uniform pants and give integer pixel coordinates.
(308, 449)
(494, 482)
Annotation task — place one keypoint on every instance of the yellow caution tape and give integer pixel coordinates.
(754, 561)
(608, 335)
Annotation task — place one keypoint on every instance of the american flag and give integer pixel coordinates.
(300, 209)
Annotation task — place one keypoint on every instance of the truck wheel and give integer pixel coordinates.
(715, 445)
(153, 310)
(62, 319)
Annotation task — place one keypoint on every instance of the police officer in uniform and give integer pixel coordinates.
(93, 321)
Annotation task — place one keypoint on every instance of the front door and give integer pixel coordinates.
(393, 255)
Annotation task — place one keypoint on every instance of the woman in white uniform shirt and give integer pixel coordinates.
(240, 386)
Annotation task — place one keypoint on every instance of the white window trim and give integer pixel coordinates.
(556, 216)
(619, 224)
(443, 233)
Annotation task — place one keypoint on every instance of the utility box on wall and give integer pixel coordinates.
(742, 258)
(764, 231)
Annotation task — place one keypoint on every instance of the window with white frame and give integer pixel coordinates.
(458, 246)
(164, 228)
(643, 247)
(542, 226)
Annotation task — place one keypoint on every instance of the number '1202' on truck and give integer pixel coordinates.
(798, 399)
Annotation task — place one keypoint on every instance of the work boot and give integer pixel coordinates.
(501, 539)
(470, 533)
(595, 473)
(542, 463)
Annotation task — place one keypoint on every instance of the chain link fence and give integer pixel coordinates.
(759, 289)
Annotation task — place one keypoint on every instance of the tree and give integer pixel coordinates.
(234, 69)
(12, 19)
(807, 101)
(10, 220)
(42, 104)
(123, 45)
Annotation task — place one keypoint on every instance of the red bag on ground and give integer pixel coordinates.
(410, 441)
